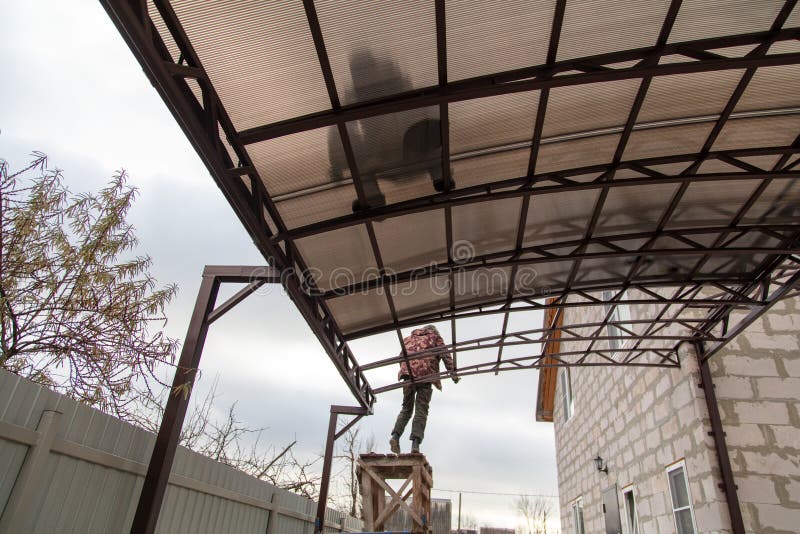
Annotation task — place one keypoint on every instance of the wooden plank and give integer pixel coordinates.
(366, 498)
(414, 515)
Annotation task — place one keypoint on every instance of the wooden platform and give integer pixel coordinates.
(373, 472)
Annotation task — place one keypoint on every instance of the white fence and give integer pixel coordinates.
(65, 467)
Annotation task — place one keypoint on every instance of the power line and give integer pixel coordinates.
(495, 493)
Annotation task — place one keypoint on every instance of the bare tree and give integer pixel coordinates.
(349, 499)
(534, 511)
(76, 306)
(80, 314)
(230, 441)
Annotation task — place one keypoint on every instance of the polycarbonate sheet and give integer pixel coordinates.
(589, 107)
(778, 204)
(412, 241)
(378, 49)
(358, 311)
(772, 88)
(482, 284)
(492, 122)
(665, 141)
(396, 145)
(421, 296)
(593, 27)
(318, 206)
(488, 37)
(560, 217)
(485, 227)
(612, 270)
(339, 258)
(634, 209)
(259, 56)
(576, 153)
(297, 162)
(704, 19)
(541, 279)
(711, 203)
(688, 95)
(759, 132)
(492, 167)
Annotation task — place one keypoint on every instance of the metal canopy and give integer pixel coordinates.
(423, 161)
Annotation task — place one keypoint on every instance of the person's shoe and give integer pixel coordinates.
(394, 444)
(415, 446)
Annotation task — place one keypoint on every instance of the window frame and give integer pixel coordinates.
(629, 490)
(577, 505)
(675, 466)
(567, 397)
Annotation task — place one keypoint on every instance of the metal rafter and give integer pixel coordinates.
(543, 77)
(557, 182)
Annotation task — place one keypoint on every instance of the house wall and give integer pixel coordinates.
(640, 420)
(757, 379)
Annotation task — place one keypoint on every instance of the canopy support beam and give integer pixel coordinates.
(333, 435)
(158, 470)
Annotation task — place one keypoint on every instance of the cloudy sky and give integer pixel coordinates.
(72, 89)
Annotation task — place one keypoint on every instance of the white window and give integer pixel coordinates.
(620, 314)
(631, 519)
(577, 516)
(566, 393)
(681, 498)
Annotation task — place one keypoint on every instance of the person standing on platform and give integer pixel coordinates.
(417, 392)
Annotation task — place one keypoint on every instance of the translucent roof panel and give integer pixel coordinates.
(485, 227)
(487, 37)
(688, 95)
(564, 220)
(402, 245)
(587, 108)
(379, 49)
(612, 24)
(772, 88)
(340, 257)
(259, 56)
(702, 19)
(327, 100)
(298, 163)
(492, 122)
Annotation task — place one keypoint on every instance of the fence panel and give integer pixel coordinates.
(65, 467)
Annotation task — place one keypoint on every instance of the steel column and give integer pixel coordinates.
(359, 412)
(155, 482)
(731, 496)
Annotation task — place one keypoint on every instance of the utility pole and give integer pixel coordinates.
(459, 513)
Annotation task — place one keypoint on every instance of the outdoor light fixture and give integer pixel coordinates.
(600, 464)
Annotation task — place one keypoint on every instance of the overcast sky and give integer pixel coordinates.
(72, 89)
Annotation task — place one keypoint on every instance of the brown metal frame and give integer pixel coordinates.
(223, 150)
(205, 313)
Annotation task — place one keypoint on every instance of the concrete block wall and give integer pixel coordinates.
(757, 379)
(640, 420)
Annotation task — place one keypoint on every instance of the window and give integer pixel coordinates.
(620, 314)
(681, 499)
(630, 510)
(577, 516)
(566, 393)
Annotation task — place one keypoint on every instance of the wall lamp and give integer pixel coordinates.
(600, 464)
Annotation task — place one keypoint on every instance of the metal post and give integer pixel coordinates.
(155, 482)
(731, 496)
(333, 435)
(326, 471)
(459, 512)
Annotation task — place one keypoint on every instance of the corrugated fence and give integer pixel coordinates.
(65, 467)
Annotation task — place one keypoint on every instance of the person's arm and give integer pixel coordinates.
(447, 359)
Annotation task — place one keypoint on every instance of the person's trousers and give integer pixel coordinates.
(416, 400)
